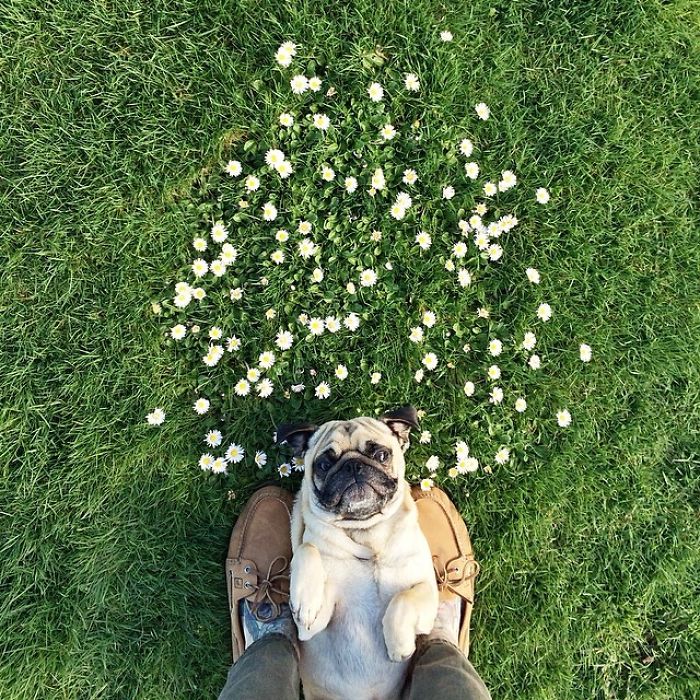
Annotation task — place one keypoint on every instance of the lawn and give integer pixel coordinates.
(117, 120)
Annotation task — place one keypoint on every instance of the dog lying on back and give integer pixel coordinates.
(362, 580)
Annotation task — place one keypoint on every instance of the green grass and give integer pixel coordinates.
(115, 122)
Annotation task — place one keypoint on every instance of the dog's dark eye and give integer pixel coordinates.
(381, 455)
(324, 462)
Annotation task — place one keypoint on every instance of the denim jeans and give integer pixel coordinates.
(269, 670)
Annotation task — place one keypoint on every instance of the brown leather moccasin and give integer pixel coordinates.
(259, 553)
(453, 556)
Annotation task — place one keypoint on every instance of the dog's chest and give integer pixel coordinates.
(351, 650)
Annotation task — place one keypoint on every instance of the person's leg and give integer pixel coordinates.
(263, 634)
(441, 670)
(268, 669)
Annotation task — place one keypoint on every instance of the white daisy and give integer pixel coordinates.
(411, 82)
(471, 170)
(375, 377)
(416, 335)
(327, 173)
(253, 375)
(341, 372)
(446, 35)
(260, 458)
(199, 244)
(286, 119)
(217, 268)
(424, 240)
(299, 84)
(266, 359)
(490, 189)
(304, 228)
(426, 484)
(418, 376)
(584, 352)
(315, 84)
(156, 416)
(284, 340)
(529, 340)
(199, 267)
(533, 275)
(433, 463)
(264, 388)
(352, 322)
(316, 326)
(378, 180)
(495, 252)
(496, 395)
(430, 360)
(277, 257)
(205, 462)
(323, 390)
(332, 324)
(494, 372)
(466, 147)
(306, 248)
(282, 236)
(236, 294)
(429, 319)
(542, 195)
(495, 347)
(269, 211)
(410, 176)
(376, 92)
(459, 249)
(520, 405)
(544, 312)
(469, 388)
(564, 418)
(242, 387)
(233, 168)
(234, 453)
(464, 277)
(284, 169)
(284, 469)
(273, 157)
(350, 288)
(321, 121)
(201, 406)
(388, 132)
(233, 344)
(178, 332)
(228, 254)
(482, 111)
(448, 192)
(350, 184)
(534, 362)
(252, 183)
(213, 438)
(397, 211)
(449, 265)
(368, 278)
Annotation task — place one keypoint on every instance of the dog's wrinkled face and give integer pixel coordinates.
(354, 468)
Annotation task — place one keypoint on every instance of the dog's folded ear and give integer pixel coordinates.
(297, 435)
(401, 421)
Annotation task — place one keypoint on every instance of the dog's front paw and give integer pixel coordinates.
(306, 589)
(399, 628)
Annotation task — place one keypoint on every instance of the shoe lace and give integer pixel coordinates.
(444, 572)
(270, 584)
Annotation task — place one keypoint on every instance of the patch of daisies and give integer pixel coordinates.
(387, 193)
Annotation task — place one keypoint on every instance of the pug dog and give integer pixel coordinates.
(362, 583)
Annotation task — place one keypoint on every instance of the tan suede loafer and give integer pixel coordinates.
(453, 556)
(259, 553)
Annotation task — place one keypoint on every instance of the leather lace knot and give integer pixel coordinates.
(270, 584)
(451, 575)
